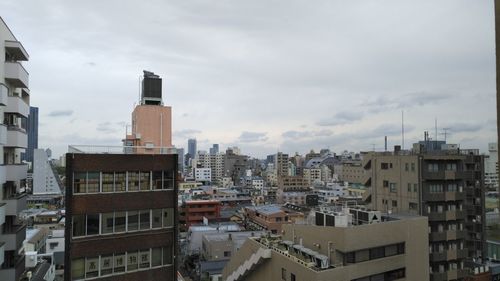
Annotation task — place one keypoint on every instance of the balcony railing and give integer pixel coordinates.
(13, 236)
(15, 172)
(16, 138)
(107, 149)
(17, 105)
(16, 50)
(15, 204)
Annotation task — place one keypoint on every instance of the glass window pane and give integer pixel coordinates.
(79, 182)
(107, 182)
(92, 267)
(133, 220)
(78, 269)
(133, 181)
(157, 218)
(362, 255)
(120, 219)
(92, 224)
(145, 220)
(93, 179)
(168, 179)
(132, 261)
(120, 181)
(144, 258)
(391, 250)
(156, 257)
(168, 217)
(167, 255)
(106, 265)
(145, 181)
(119, 262)
(107, 221)
(157, 180)
(78, 225)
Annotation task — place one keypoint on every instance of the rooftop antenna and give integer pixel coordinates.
(436, 128)
(402, 130)
(385, 143)
(445, 133)
(373, 147)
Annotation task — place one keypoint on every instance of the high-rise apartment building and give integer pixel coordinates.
(121, 217)
(14, 111)
(214, 149)
(491, 166)
(281, 164)
(192, 149)
(32, 134)
(447, 186)
(151, 120)
(45, 179)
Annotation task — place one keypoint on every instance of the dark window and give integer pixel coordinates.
(156, 218)
(394, 203)
(156, 257)
(79, 182)
(167, 255)
(401, 248)
(144, 220)
(385, 183)
(133, 220)
(350, 257)
(120, 218)
(283, 274)
(384, 166)
(92, 224)
(145, 180)
(133, 181)
(362, 255)
(292, 277)
(93, 179)
(377, 253)
(78, 225)
(227, 253)
(168, 179)
(107, 220)
(157, 180)
(120, 181)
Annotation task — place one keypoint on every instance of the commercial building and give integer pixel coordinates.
(151, 120)
(447, 186)
(194, 212)
(392, 248)
(121, 217)
(14, 111)
(350, 171)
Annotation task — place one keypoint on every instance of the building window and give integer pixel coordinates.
(77, 269)
(132, 261)
(133, 181)
(392, 187)
(119, 265)
(144, 258)
(107, 182)
(433, 167)
(158, 180)
(452, 187)
(145, 221)
(394, 203)
(384, 166)
(409, 187)
(132, 220)
(415, 187)
(107, 222)
(79, 182)
(106, 265)
(435, 188)
(93, 179)
(451, 166)
(92, 267)
(283, 274)
(156, 218)
(413, 167)
(377, 253)
(145, 178)
(79, 225)
(168, 217)
(385, 183)
(156, 257)
(120, 181)
(413, 206)
(407, 167)
(292, 277)
(93, 224)
(167, 255)
(120, 221)
(227, 254)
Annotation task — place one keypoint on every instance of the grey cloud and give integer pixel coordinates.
(60, 113)
(464, 127)
(252, 137)
(341, 118)
(405, 101)
(295, 135)
(108, 127)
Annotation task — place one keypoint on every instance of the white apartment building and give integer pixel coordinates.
(491, 166)
(44, 178)
(14, 110)
(213, 161)
(202, 174)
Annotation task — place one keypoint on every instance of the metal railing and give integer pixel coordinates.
(117, 149)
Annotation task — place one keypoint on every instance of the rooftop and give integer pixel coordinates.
(117, 149)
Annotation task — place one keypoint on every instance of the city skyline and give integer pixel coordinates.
(241, 73)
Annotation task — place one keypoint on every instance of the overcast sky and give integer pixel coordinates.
(263, 75)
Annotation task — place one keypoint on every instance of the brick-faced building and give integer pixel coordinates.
(121, 214)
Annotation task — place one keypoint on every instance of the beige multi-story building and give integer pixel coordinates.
(14, 111)
(311, 175)
(350, 171)
(281, 164)
(269, 217)
(151, 120)
(395, 249)
(447, 186)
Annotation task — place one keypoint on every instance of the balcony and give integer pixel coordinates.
(2, 213)
(12, 270)
(4, 91)
(16, 138)
(2, 254)
(447, 235)
(16, 50)
(445, 196)
(448, 255)
(17, 105)
(16, 75)
(447, 216)
(13, 237)
(3, 134)
(15, 204)
(16, 172)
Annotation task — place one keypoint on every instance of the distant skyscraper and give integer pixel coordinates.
(180, 158)
(32, 133)
(214, 149)
(192, 148)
